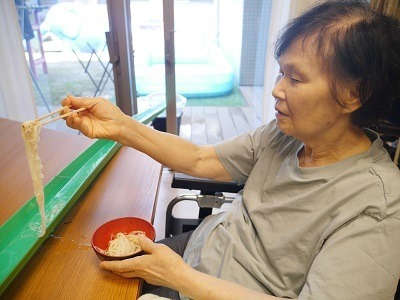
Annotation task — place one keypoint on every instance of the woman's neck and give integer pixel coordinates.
(322, 153)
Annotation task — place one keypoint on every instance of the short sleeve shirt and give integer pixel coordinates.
(328, 232)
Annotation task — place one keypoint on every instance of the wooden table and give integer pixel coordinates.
(66, 267)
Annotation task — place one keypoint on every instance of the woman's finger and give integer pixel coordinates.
(126, 274)
(146, 244)
(120, 266)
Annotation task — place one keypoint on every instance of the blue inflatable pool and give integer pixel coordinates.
(200, 72)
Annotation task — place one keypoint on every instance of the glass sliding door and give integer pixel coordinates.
(66, 51)
(152, 33)
(201, 69)
(220, 50)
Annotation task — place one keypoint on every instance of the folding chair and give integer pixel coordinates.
(29, 29)
(82, 28)
(107, 68)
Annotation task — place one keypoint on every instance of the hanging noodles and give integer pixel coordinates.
(123, 244)
(30, 134)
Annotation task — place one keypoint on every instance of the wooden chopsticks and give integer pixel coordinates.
(56, 118)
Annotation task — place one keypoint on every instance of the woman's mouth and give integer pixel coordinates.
(279, 113)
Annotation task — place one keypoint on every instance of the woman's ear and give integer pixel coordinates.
(351, 100)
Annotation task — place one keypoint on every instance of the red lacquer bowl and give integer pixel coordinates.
(105, 232)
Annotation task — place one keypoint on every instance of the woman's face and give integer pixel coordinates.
(305, 107)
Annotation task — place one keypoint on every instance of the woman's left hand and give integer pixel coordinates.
(159, 266)
(162, 266)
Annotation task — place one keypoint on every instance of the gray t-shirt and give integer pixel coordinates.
(328, 232)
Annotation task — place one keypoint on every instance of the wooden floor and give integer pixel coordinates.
(210, 125)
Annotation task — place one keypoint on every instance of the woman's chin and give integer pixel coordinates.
(289, 132)
(283, 127)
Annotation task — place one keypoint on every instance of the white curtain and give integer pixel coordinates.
(279, 17)
(282, 11)
(17, 100)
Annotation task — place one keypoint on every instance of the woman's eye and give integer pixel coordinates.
(278, 77)
(293, 80)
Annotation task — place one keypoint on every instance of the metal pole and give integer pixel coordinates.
(170, 89)
(119, 41)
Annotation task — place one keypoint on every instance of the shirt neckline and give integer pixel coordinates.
(338, 167)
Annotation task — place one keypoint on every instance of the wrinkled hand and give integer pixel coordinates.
(101, 119)
(159, 266)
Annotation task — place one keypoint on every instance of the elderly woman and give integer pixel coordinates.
(319, 215)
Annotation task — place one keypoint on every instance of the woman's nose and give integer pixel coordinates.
(277, 91)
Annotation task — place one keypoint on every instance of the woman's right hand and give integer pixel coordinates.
(101, 119)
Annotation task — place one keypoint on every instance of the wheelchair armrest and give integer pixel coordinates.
(206, 186)
(210, 197)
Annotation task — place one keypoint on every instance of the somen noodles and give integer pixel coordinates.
(30, 134)
(123, 244)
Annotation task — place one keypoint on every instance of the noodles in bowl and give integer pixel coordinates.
(123, 244)
(118, 239)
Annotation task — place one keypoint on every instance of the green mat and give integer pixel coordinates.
(236, 98)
